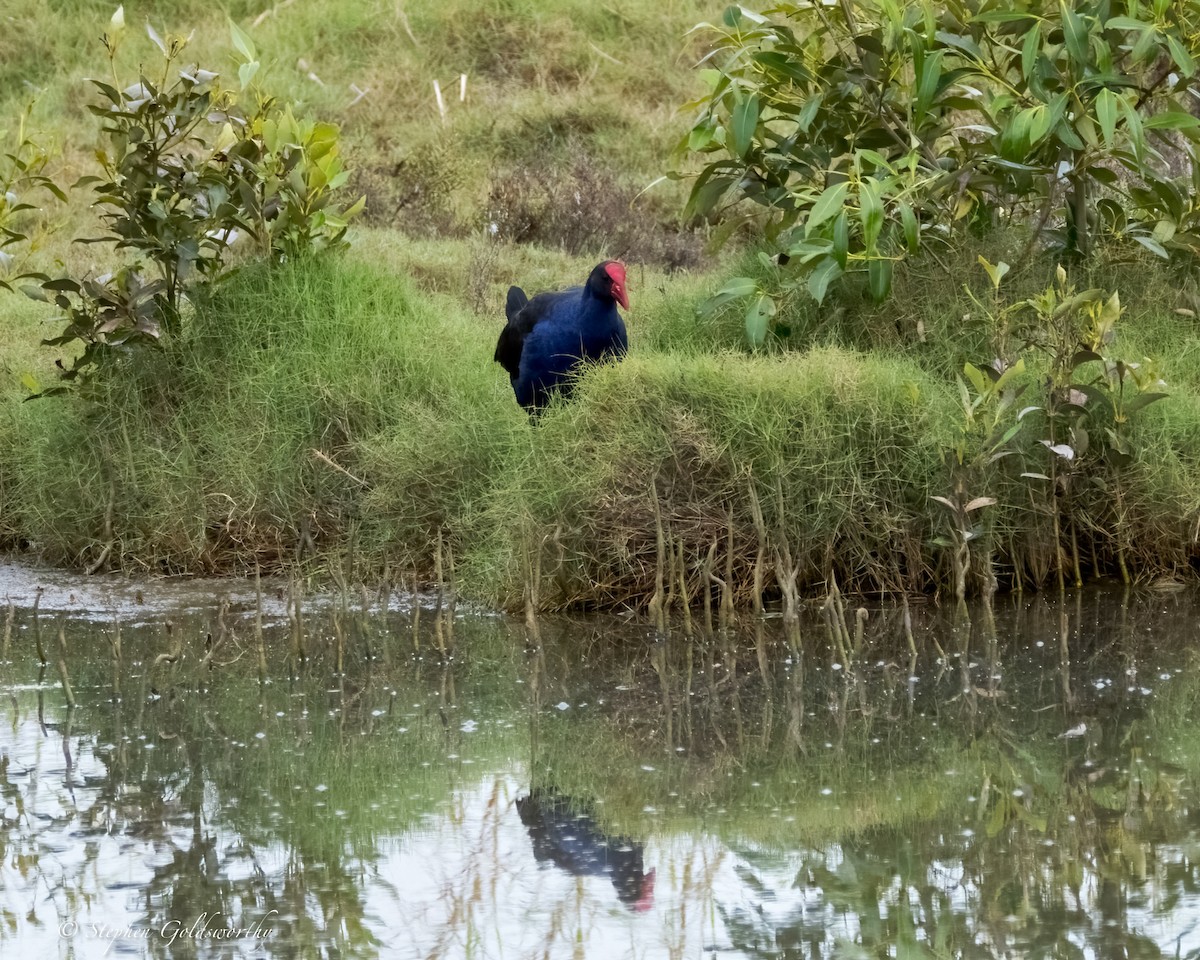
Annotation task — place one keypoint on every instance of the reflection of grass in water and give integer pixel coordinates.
(738, 772)
(761, 796)
(349, 760)
(289, 820)
(731, 765)
(894, 822)
(989, 762)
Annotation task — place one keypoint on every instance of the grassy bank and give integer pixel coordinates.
(333, 411)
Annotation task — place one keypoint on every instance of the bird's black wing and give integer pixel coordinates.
(523, 314)
(512, 337)
(515, 303)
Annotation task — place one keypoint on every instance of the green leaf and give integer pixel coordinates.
(879, 279)
(108, 90)
(1106, 113)
(807, 250)
(808, 112)
(1152, 245)
(744, 123)
(738, 287)
(1146, 48)
(827, 205)
(912, 228)
(1015, 139)
(870, 212)
(706, 192)
(758, 318)
(1086, 129)
(1143, 400)
(819, 280)
(1075, 35)
(964, 43)
(1040, 121)
(1002, 16)
(1008, 435)
(1058, 109)
(1171, 120)
(995, 272)
(1170, 196)
(841, 239)
(927, 84)
(1125, 23)
(242, 41)
(735, 289)
(1014, 371)
(978, 380)
(700, 136)
(1029, 50)
(62, 285)
(246, 73)
(784, 64)
(1068, 137)
(1183, 59)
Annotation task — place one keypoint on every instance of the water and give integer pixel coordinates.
(1020, 784)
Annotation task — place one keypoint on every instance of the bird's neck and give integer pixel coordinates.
(598, 308)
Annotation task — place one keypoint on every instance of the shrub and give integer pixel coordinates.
(867, 132)
(188, 166)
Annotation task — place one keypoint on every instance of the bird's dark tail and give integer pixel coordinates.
(515, 303)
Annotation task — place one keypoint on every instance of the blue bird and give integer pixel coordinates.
(547, 338)
(565, 833)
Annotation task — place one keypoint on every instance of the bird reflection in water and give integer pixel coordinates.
(564, 833)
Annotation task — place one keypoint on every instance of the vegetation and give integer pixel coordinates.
(185, 171)
(873, 131)
(994, 426)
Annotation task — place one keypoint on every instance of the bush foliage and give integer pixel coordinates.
(869, 132)
(188, 166)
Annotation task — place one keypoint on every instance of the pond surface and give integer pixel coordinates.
(1021, 782)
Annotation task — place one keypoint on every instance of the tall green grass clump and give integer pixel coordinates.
(839, 451)
(256, 436)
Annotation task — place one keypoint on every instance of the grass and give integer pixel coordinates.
(335, 408)
(207, 450)
(350, 408)
(855, 439)
(209, 447)
(543, 92)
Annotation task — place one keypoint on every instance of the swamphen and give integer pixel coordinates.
(548, 337)
(563, 831)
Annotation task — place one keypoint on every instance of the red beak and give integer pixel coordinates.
(618, 292)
